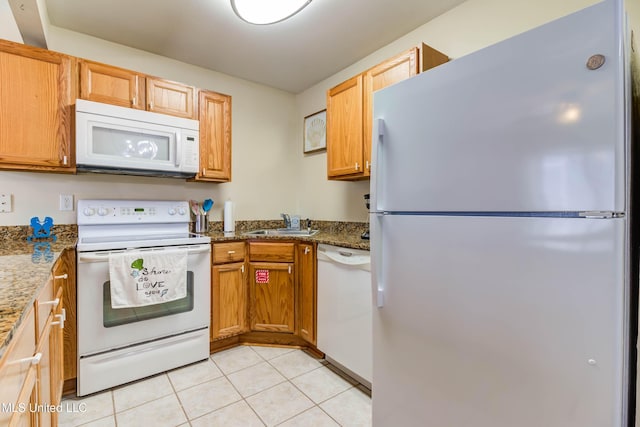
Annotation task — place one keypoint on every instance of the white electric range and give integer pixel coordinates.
(119, 345)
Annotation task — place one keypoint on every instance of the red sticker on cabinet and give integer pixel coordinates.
(262, 276)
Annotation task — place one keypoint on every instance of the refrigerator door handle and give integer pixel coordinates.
(377, 285)
(376, 170)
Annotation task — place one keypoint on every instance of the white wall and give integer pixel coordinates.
(8, 28)
(270, 172)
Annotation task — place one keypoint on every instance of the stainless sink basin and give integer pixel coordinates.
(281, 232)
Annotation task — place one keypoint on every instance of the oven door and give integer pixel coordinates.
(102, 328)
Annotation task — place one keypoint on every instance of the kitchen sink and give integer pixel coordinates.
(281, 232)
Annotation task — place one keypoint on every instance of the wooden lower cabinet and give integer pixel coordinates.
(64, 273)
(307, 292)
(228, 300)
(32, 366)
(263, 293)
(272, 296)
(229, 290)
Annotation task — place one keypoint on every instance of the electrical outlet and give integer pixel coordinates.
(5, 202)
(66, 202)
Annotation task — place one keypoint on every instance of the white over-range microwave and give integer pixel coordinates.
(113, 139)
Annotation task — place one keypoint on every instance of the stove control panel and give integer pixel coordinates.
(132, 211)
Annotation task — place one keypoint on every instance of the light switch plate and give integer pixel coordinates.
(5, 202)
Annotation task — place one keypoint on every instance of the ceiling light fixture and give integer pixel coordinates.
(263, 12)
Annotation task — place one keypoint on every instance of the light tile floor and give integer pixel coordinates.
(245, 386)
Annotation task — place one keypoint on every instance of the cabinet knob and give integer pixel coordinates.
(306, 250)
(61, 318)
(289, 269)
(62, 276)
(231, 252)
(357, 166)
(242, 268)
(368, 165)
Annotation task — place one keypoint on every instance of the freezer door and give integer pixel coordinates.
(523, 125)
(498, 322)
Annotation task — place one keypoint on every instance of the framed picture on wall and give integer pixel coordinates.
(315, 132)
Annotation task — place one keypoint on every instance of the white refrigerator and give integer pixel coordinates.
(500, 234)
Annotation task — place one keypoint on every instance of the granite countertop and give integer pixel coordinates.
(344, 234)
(24, 270)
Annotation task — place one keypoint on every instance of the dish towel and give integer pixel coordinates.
(140, 278)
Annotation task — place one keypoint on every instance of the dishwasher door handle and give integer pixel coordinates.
(344, 260)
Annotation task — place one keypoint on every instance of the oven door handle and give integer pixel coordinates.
(104, 256)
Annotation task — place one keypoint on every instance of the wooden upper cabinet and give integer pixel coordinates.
(344, 128)
(215, 137)
(391, 71)
(37, 90)
(431, 57)
(112, 85)
(350, 112)
(167, 97)
(126, 88)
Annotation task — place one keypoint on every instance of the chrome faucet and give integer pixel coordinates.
(287, 220)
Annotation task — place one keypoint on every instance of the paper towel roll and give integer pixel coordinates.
(229, 224)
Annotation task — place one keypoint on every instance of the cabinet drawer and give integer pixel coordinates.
(228, 252)
(271, 252)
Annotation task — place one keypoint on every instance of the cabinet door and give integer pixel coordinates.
(385, 74)
(344, 129)
(215, 137)
(167, 97)
(22, 416)
(45, 371)
(50, 376)
(37, 90)
(18, 374)
(272, 297)
(112, 85)
(228, 300)
(66, 265)
(307, 292)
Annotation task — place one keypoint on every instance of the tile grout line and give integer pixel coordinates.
(242, 398)
(317, 405)
(175, 392)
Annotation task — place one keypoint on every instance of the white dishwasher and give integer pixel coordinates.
(344, 310)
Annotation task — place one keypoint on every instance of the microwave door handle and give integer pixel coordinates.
(178, 149)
